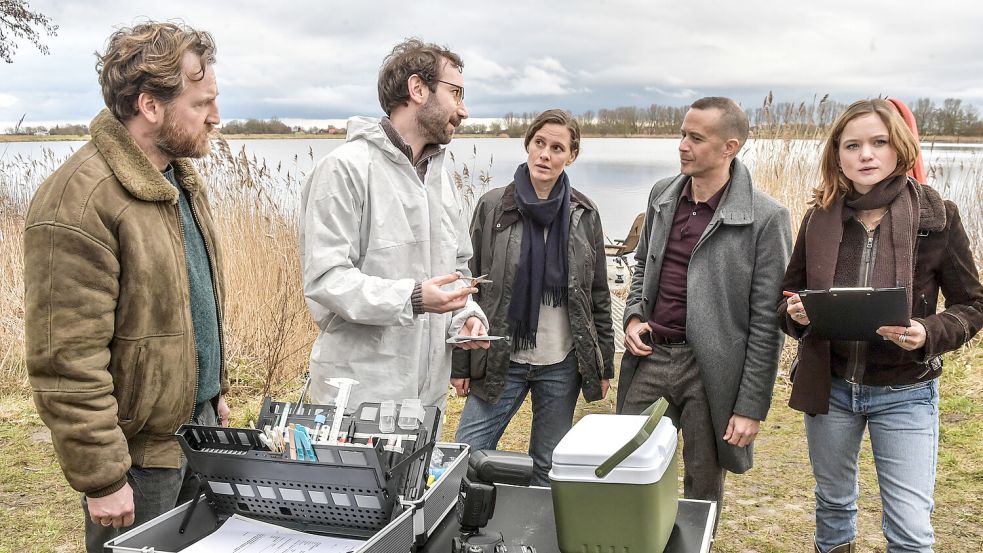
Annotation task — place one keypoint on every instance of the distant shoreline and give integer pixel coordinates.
(307, 136)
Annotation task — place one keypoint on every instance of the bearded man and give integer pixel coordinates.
(384, 240)
(123, 282)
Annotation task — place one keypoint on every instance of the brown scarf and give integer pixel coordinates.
(895, 248)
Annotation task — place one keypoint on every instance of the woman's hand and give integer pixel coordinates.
(907, 338)
(796, 310)
(473, 327)
(462, 386)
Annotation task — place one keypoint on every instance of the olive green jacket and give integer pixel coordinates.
(496, 234)
(109, 338)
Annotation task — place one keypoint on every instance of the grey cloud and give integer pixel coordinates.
(307, 59)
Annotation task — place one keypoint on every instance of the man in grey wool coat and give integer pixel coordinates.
(700, 324)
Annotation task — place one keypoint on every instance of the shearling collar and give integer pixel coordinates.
(931, 209)
(131, 166)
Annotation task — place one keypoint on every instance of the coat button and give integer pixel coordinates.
(499, 225)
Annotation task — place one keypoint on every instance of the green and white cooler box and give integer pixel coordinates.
(614, 483)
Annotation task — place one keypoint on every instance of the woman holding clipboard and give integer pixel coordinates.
(540, 242)
(870, 225)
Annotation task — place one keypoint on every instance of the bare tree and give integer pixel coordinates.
(17, 21)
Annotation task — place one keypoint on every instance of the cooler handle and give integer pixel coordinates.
(655, 412)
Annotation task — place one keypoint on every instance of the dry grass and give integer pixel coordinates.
(269, 335)
(267, 322)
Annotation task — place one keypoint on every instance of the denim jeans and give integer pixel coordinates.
(554, 396)
(155, 491)
(903, 422)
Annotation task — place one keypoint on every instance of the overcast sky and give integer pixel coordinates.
(319, 60)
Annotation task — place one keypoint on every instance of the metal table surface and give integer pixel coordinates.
(525, 516)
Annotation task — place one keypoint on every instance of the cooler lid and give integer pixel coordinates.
(597, 437)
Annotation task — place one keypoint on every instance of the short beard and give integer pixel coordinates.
(432, 124)
(176, 142)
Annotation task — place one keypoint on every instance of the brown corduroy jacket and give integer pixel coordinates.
(109, 338)
(943, 262)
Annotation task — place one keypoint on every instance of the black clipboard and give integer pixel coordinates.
(854, 313)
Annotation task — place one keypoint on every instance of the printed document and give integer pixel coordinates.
(244, 535)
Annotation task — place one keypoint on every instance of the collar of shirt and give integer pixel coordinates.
(428, 152)
(714, 200)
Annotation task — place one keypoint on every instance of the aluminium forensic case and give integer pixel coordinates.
(406, 531)
(355, 490)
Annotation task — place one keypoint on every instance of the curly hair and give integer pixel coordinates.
(408, 58)
(147, 58)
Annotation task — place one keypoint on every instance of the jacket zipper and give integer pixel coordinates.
(184, 250)
(857, 353)
(218, 306)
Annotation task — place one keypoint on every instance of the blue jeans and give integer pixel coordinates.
(554, 396)
(903, 422)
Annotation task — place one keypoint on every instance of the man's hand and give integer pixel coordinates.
(741, 431)
(223, 411)
(436, 300)
(461, 385)
(473, 327)
(115, 509)
(605, 385)
(633, 337)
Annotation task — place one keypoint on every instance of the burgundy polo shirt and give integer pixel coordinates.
(669, 314)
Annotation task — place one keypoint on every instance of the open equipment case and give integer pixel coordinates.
(371, 486)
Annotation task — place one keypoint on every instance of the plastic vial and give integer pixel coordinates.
(410, 414)
(387, 417)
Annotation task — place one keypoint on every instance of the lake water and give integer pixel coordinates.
(617, 173)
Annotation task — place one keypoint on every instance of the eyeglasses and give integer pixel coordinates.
(457, 91)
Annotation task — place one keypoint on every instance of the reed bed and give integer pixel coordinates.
(269, 331)
(269, 334)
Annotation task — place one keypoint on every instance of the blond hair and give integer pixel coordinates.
(147, 58)
(832, 182)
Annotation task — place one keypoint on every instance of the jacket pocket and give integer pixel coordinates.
(479, 363)
(600, 362)
(795, 362)
(922, 308)
(128, 380)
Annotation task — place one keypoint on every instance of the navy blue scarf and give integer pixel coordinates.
(542, 273)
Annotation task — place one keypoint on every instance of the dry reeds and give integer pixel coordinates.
(470, 182)
(19, 178)
(268, 329)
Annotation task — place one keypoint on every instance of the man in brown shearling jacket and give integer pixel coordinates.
(123, 282)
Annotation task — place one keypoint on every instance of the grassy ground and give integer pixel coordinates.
(768, 510)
